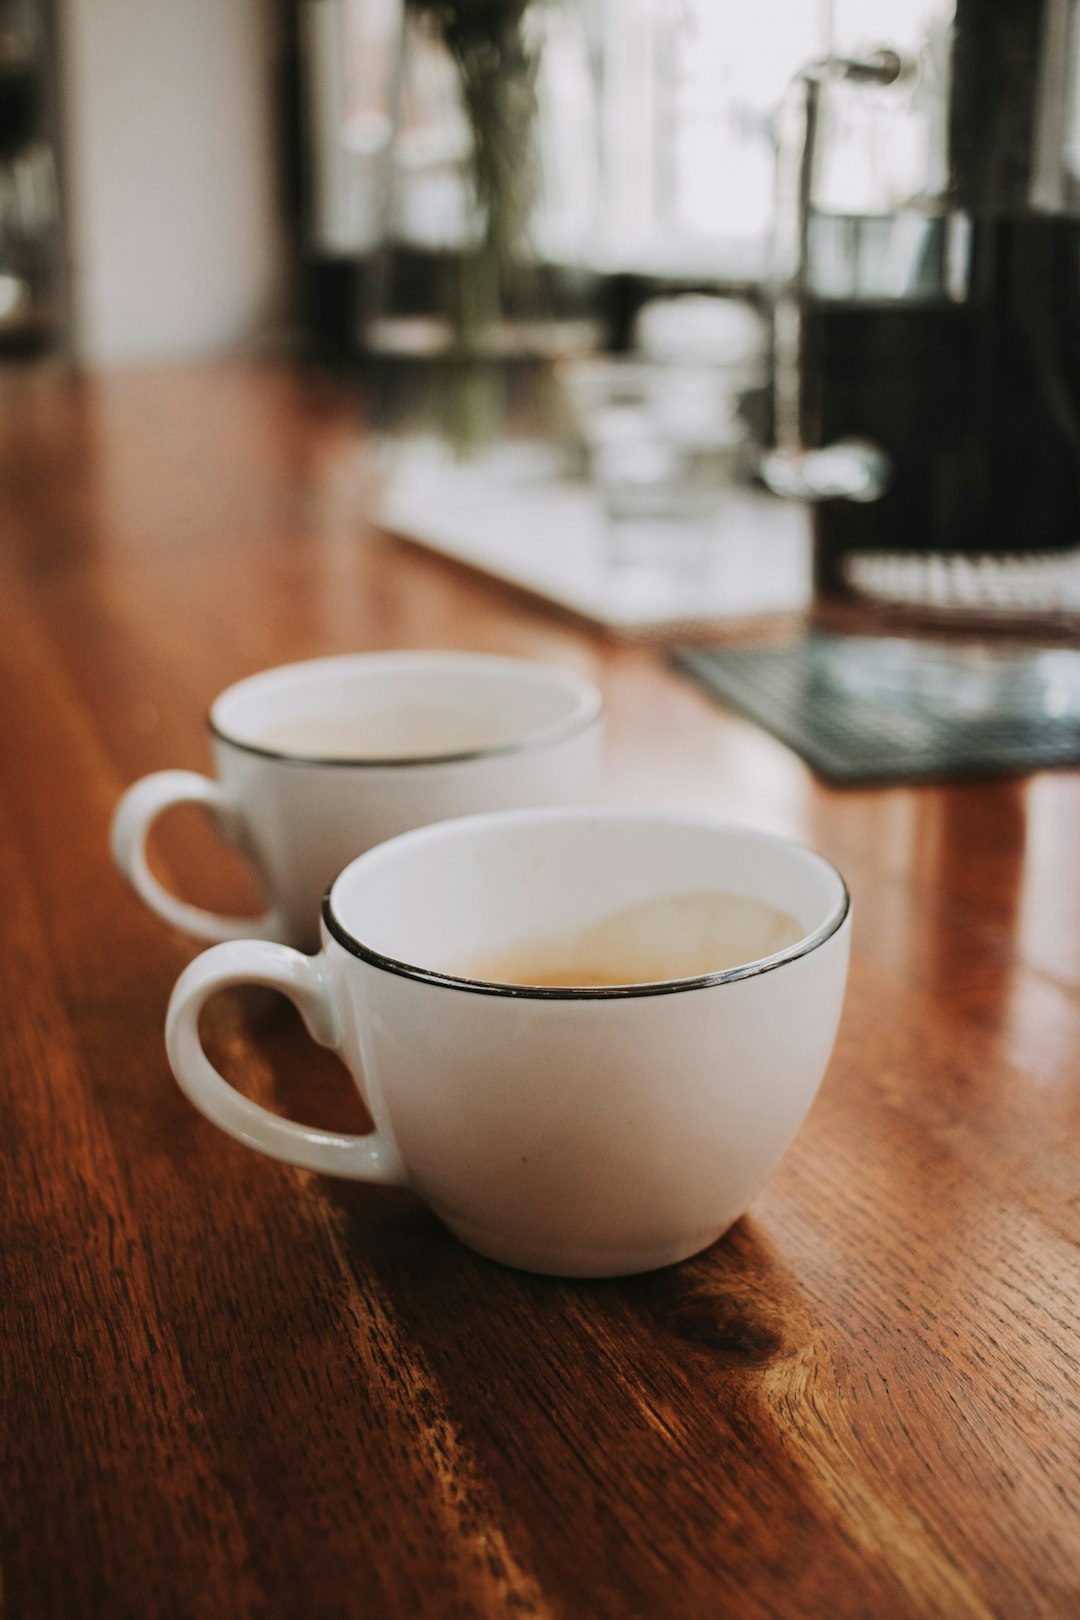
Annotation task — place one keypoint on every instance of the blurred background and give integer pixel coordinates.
(183, 179)
(733, 280)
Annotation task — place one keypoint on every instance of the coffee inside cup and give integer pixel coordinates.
(391, 731)
(678, 936)
(577, 899)
(400, 707)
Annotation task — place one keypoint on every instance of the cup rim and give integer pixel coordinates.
(586, 712)
(616, 992)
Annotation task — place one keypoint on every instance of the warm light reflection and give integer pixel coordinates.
(1049, 909)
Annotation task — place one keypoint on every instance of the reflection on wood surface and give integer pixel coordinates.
(232, 1390)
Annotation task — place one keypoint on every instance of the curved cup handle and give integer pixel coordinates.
(137, 810)
(303, 980)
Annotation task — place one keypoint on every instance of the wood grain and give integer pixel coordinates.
(233, 1390)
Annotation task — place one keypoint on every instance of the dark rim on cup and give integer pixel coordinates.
(545, 737)
(606, 992)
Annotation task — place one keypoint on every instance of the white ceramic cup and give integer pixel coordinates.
(579, 1132)
(453, 733)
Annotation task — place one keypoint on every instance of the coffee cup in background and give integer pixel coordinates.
(317, 762)
(595, 1130)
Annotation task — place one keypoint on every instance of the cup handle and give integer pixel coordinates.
(137, 810)
(303, 979)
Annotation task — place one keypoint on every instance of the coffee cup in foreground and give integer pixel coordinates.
(588, 1129)
(316, 762)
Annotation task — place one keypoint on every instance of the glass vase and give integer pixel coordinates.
(482, 279)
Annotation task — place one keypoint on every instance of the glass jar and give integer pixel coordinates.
(929, 317)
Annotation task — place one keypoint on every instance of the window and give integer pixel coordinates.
(676, 99)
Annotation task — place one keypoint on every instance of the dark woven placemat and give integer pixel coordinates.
(888, 709)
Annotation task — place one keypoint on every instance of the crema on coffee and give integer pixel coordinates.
(678, 936)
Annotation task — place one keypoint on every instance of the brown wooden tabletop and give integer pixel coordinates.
(230, 1389)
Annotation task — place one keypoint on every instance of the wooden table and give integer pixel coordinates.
(233, 1390)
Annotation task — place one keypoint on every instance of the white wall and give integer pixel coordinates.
(176, 247)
